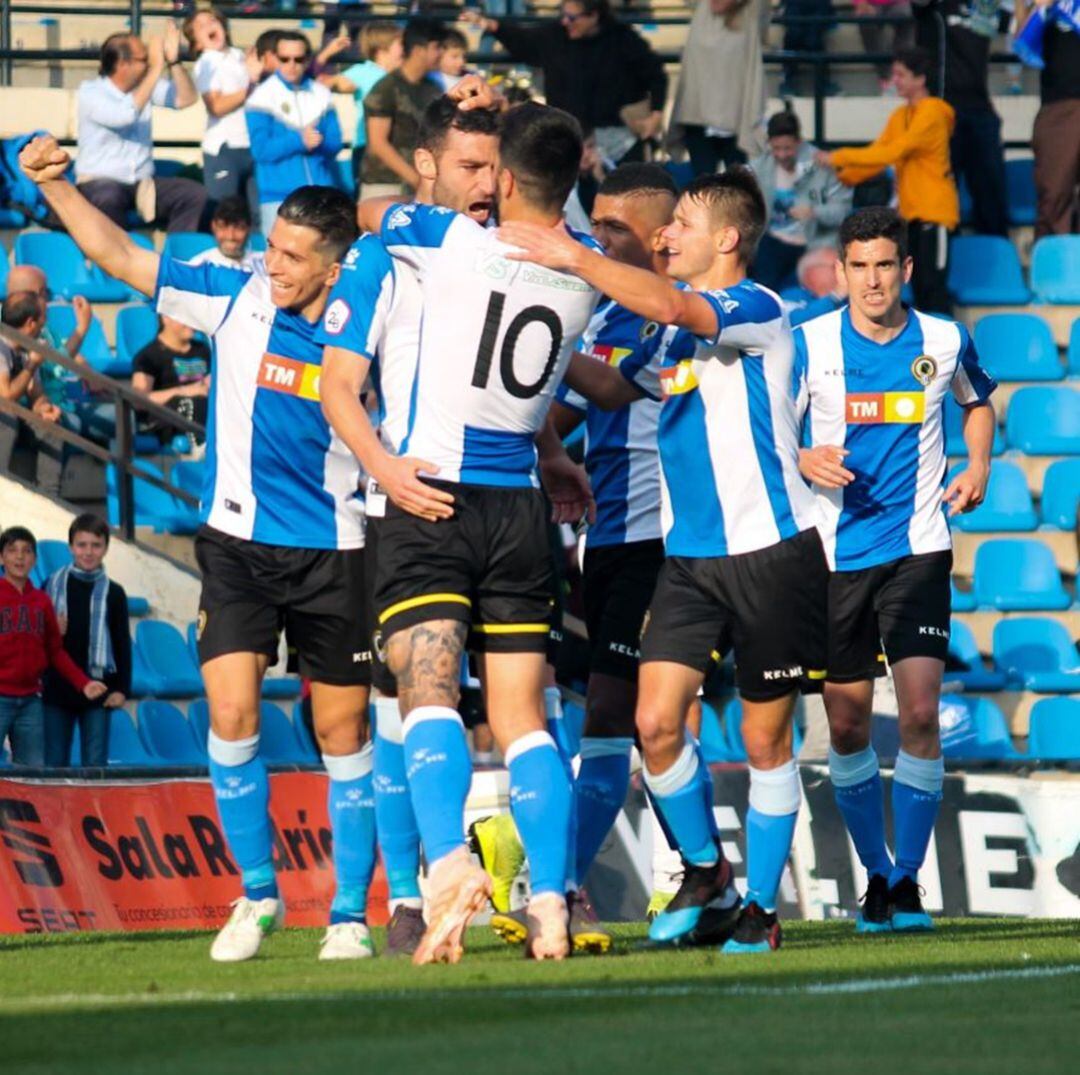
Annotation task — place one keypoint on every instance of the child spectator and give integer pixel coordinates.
(452, 66)
(174, 371)
(92, 613)
(30, 642)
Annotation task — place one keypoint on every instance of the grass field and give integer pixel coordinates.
(976, 996)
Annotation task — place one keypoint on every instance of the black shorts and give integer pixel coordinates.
(895, 610)
(488, 566)
(558, 589)
(771, 603)
(619, 581)
(251, 592)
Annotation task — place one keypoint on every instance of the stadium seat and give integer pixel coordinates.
(188, 475)
(12, 218)
(68, 272)
(971, 674)
(984, 270)
(1008, 504)
(1017, 347)
(168, 734)
(51, 556)
(1020, 181)
(714, 745)
(1018, 575)
(1039, 653)
(125, 745)
(136, 326)
(185, 245)
(1054, 730)
(962, 600)
(278, 742)
(257, 243)
(1044, 421)
(1061, 494)
(280, 686)
(953, 419)
(170, 671)
(167, 167)
(1072, 354)
(681, 171)
(95, 349)
(974, 729)
(3, 272)
(1055, 269)
(154, 507)
(344, 170)
(736, 748)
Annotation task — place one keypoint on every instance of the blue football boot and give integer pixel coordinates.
(757, 930)
(874, 916)
(704, 910)
(905, 903)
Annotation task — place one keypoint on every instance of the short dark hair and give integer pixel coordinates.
(734, 199)
(232, 210)
(443, 115)
(114, 48)
(326, 210)
(293, 35)
(638, 178)
(455, 39)
(916, 59)
(420, 32)
(266, 42)
(17, 533)
(89, 523)
(541, 147)
(19, 307)
(597, 7)
(874, 222)
(783, 125)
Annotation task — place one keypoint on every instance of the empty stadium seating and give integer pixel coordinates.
(962, 600)
(68, 272)
(272, 686)
(1038, 653)
(1055, 269)
(154, 507)
(168, 734)
(279, 743)
(972, 674)
(974, 729)
(1054, 729)
(1020, 181)
(95, 349)
(136, 326)
(1008, 504)
(1017, 574)
(1061, 494)
(125, 745)
(984, 270)
(185, 245)
(166, 661)
(953, 422)
(1072, 354)
(1044, 421)
(1017, 347)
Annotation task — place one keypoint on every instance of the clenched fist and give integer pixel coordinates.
(42, 159)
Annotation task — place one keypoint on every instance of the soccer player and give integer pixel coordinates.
(872, 381)
(743, 552)
(495, 341)
(281, 543)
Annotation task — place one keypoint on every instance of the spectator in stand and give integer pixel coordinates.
(1056, 136)
(976, 151)
(915, 142)
(879, 35)
(266, 52)
(453, 65)
(720, 98)
(805, 201)
(224, 76)
(115, 164)
(294, 130)
(821, 289)
(173, 370)
(598, 69)
(92, 613)
(231, 227)
(30, 642)
(380, 45)
(394, 108)
(804, 37)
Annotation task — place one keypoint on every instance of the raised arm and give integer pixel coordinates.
(105, 244)
(186, 94)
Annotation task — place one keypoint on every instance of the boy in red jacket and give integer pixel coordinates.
(30, 642)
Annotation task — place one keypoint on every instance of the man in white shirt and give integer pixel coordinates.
(115, 165)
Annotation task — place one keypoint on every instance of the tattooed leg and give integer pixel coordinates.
(426, 661)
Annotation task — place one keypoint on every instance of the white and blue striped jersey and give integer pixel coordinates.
(494, 341)
(883, 402)
(275, 471)
(728, 439)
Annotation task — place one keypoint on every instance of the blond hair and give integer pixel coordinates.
(377, 36)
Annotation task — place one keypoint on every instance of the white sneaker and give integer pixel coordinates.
(251, 920)
(346, 940)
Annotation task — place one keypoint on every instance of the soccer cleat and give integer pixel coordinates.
(685, 919)
(756, 931)
(404, 930)
(548, 921)
(874, 915)
(346, 940)
(459, 890)
(250, 921)
(905, 905)
(586, 933)
(658, 903)
(511, 926)
(495, 840)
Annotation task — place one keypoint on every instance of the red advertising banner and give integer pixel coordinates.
(125, 856)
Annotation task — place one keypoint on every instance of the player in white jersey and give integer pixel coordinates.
(465, 550)
(872, 381)
(281, 545)
(743, 551)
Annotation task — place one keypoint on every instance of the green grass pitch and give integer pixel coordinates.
(976, 996)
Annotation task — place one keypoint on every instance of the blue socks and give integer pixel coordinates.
(775, 795)
(242, 792)
(916, 794)
(680, 796)
(399, 838)
(352, 821)
(540, 801)
(439, 774)
(560, 732)
(857, 786)
(602, 783)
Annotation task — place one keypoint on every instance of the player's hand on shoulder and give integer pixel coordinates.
(553, 247)
(824, 466)
(967, 490)
(43, 159)
(399, 477)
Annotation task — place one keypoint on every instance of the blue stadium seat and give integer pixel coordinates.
(154, 507)
(736, 748)
(714, 745)
(963, 651)
(962, 600)
(278, 742)
(188, 474)
(280, 686)
(125, 745)
(168, 735)
(95, 349)
(167, 167)
(13, 219)
(308, 746)
(136, 326)
(1017, 347)
(1018, 575)
(171, 673)
(3, 272)
(1008, 504)
(51, 556)
(681, 171)
(1054, 731)
(953, 420)
(984, 270)
(1055, 269)
(187, 244)
(343, 168)
(1061, 494)
(1044, 421)
(1039, 653)
(69, 273)
(192, 637)
(1072, 354)
(257, 243)
(1020, 181)
(199, 716)
(974, 729)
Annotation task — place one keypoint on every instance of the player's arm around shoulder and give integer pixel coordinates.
(601, 384)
